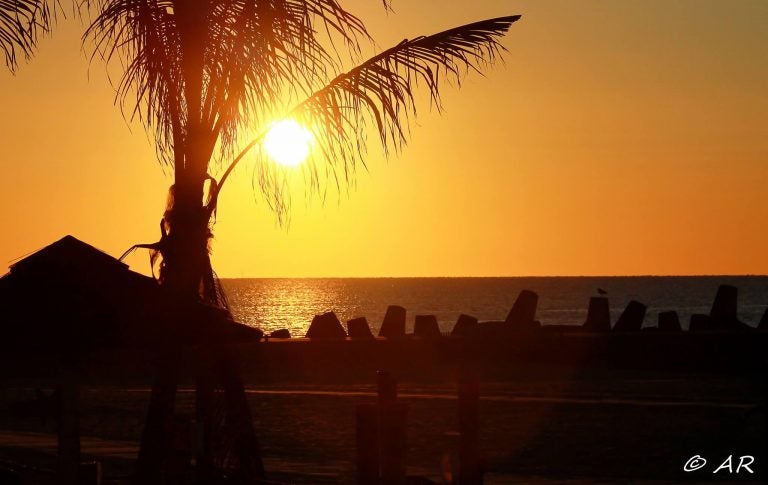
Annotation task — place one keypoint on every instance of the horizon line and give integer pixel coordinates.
(711, 275)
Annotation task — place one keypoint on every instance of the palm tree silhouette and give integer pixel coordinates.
(20, 23)
(199, 74)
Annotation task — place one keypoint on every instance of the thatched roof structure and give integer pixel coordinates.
(70, 295)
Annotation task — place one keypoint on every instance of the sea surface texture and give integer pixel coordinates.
(271, 304)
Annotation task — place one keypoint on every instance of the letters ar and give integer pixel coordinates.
(744, 463)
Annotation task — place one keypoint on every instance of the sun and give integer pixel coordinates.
(288, 143)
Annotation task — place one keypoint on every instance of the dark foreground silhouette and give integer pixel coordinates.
(83, 333)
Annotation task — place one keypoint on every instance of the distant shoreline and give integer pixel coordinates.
(486, 277)
(291, 303)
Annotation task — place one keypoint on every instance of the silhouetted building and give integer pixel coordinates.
(71, 297)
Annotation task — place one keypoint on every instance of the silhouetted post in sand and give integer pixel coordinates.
(470, 472)
(392, 431)
(386, 388)
(367, 442)
(69, 426)
(381, 436)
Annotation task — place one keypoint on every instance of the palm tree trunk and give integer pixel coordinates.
(186, 263)
(186, 268)
(187, 271)
(156, 434)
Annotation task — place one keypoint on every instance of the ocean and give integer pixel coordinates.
(271, 304)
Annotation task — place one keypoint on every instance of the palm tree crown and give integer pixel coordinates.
(201, 74)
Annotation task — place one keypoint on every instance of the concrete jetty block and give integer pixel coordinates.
(631, 319)
(358, 328)
(700, 322)
(426, 326)
(393, 325)
(724, 310)
(282, 333)
(465, 326)
(492, 330)
(326, 326)
(763, 325)
(523, 312)
(598, 315)
(724, 307)
(669, 322)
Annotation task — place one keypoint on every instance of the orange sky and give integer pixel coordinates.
(618, 138)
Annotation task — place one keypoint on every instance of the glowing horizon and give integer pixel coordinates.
(617, 139)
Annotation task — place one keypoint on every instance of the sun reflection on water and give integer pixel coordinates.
(273, 304)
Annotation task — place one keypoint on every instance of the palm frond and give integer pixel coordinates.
(247, 54)
(21, 23)
(142, 36)
(380, 93)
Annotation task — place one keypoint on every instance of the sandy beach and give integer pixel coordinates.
(539, 423)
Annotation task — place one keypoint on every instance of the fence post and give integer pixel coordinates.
(69, 425)
(392, 431)
(387, 387)
(469, 453)
(367, 440)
